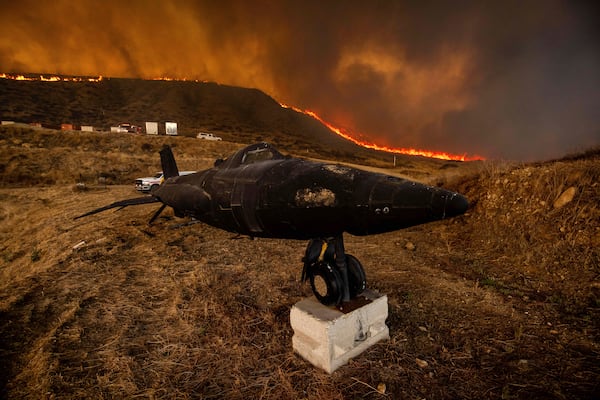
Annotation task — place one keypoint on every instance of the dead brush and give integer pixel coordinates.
(527, 237)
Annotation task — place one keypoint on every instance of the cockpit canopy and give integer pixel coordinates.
(253, 153)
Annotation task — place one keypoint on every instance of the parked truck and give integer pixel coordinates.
(145, 185)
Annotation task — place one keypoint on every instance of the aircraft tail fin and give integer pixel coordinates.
(167, 160)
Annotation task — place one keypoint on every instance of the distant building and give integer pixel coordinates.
(87, 128)
(171, 128)
(8, 122)
(152, 128)
(66, 127)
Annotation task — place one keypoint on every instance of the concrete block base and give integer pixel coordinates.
(328, 338)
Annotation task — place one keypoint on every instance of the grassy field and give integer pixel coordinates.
(501, 303)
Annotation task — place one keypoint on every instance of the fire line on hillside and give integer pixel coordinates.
(51, 78)
(339, 131)
(412, 152)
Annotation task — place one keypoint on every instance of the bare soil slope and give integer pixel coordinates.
(499, 303)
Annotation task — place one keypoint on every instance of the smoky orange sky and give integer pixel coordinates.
(503, 79)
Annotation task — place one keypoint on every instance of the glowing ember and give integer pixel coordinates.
(412, 152)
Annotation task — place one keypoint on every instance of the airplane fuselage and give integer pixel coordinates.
(293, 198)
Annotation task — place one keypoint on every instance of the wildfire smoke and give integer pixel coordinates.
(508, 79)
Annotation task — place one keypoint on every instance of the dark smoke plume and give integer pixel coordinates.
(504, 79)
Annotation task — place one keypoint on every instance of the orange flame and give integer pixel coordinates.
(166, 78)
(398, 150)
(50, 78)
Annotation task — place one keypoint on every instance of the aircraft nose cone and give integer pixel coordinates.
(447, 204)
(456, 204)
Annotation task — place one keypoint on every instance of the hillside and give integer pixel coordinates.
(500, 303)
(234, 113)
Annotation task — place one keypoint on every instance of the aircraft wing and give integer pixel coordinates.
(122, 204)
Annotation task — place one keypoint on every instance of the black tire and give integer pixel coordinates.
(326, 283)
(357, 279)
(153, 187)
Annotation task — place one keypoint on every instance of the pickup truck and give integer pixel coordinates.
(207, 136)
(145, 185)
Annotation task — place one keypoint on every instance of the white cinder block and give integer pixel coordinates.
(328, 338)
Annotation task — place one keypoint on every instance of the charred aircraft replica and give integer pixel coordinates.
(261, 193)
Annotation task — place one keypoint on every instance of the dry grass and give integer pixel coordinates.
(530, 245)
(500, 303)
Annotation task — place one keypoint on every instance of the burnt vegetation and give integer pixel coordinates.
(499, 303)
